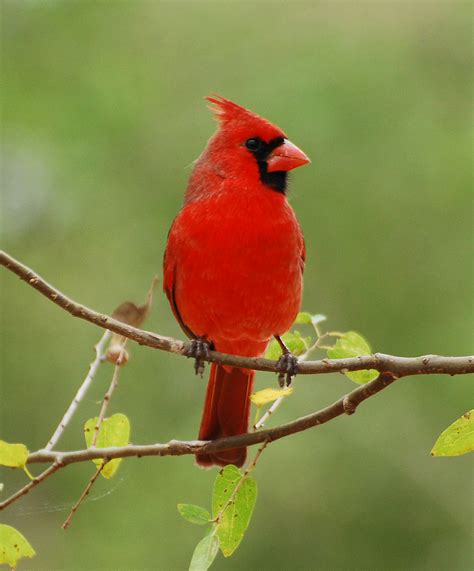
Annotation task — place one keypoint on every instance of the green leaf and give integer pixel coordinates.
(114, 431)
(261, 398)
(303, 318)
(273, 351)
(352, 344)
(205, 552)
(295, 343)
(458, 438)
(194, 514)
(13, 455)
(13, 546)
(236, 517)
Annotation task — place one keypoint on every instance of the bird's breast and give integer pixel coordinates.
(239, 269)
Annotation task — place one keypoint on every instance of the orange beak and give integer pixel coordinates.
(286, 157)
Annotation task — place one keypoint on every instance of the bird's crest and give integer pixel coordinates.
(236, 117)
(225, 110)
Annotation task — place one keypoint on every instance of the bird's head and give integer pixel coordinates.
(248, 147)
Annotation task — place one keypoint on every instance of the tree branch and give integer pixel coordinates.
(345, 405)
(390, 368)
(398, 366)
(37, 480)
(85, 493)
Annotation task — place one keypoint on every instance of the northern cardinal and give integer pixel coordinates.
(234, 260)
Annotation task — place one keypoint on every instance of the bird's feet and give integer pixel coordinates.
(287, 365)
(198, 349)
(287, 369)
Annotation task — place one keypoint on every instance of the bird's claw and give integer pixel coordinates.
(287, 368)
(198, 349)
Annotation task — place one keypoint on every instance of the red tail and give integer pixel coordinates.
(226, 413)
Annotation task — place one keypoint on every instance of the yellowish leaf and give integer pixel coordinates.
(114, 431)
(352, 344)
(13, 455)
(458, 438)
(261, 398)
(13, 546)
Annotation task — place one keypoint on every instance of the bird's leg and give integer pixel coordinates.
(198, 349)
(287, 364)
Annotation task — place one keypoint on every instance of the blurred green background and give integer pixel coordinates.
(103, 114)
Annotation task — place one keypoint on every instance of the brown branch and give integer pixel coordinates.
(389, 367)
(399, 366)
(84, 494)
(57, 464)
(346, 403)
(83, 312)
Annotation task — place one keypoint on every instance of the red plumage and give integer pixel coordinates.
(234, 260)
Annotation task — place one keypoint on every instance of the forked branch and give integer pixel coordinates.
(390, 368)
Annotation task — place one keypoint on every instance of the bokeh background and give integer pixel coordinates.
(103, 114)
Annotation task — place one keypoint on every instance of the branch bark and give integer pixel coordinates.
(345, 405)
(399, 366)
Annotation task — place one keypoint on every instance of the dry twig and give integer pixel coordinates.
(84, 494)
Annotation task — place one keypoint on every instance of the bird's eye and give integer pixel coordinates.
(253, 144)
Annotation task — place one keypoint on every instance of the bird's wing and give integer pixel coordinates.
(170, 268)
(302, 253)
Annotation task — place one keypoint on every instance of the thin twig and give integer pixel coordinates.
(108, 394)
(261, 423)
(23, 491)
(94, 366)
(85, 493)
(400, 366)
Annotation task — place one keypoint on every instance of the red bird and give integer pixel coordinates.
(234, 261)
